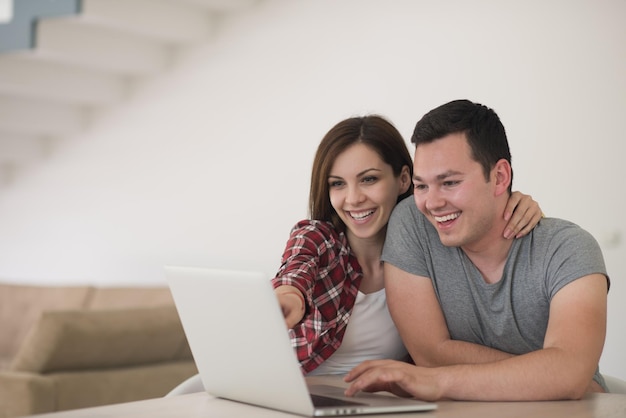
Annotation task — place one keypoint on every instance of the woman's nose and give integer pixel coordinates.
(355, 195)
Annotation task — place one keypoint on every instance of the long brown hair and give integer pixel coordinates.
(372, 130)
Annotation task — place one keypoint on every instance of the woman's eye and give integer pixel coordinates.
(335, 183)
(369, 179)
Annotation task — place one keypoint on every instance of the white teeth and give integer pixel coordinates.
(447, 217)
(361, 215)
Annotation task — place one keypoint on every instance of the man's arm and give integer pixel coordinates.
(565, 365)
(562, 369)
(416, 312)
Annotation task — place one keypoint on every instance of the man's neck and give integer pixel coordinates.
(489, 256)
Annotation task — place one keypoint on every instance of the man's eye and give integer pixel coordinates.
(451, 183)
(419, 186)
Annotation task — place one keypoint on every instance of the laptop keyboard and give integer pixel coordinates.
(319, 400)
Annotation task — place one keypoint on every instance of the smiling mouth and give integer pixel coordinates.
(447, 218)
(360, 215)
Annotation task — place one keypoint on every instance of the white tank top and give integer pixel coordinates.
(370, 334)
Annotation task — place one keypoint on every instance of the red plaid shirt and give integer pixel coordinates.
(318, 262)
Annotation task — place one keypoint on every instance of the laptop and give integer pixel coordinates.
(239, 341)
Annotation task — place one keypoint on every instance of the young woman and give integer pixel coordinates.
(331, 274)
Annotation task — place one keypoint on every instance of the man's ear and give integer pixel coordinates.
(405, 179)
(502, 176)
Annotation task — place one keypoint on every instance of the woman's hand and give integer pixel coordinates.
(523, 214)
(292, 304)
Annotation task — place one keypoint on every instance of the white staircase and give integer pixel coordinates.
(88, 61)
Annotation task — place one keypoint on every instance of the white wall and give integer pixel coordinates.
(209, 165)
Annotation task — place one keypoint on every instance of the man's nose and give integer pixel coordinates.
(433, 200)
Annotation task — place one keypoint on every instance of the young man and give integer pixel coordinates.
(483, 317)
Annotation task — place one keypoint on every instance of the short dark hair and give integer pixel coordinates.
(482, 127)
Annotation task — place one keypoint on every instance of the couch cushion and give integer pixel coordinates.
(97, 339)
(24, 393)
(21, 306)
(82, 389)
(129, 297)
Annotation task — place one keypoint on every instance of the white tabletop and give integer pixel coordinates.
(203, 405)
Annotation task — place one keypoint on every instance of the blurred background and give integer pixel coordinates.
(135, 133)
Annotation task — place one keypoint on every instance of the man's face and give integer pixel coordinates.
(451, 190)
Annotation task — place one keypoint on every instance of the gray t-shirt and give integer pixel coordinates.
(512, 314)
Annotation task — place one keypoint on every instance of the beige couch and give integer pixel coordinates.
(72, 347)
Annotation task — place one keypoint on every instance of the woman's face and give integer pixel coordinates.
(363, 190)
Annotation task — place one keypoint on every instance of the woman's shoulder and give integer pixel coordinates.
(315, 225)
(317, 237)
(318, 231)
